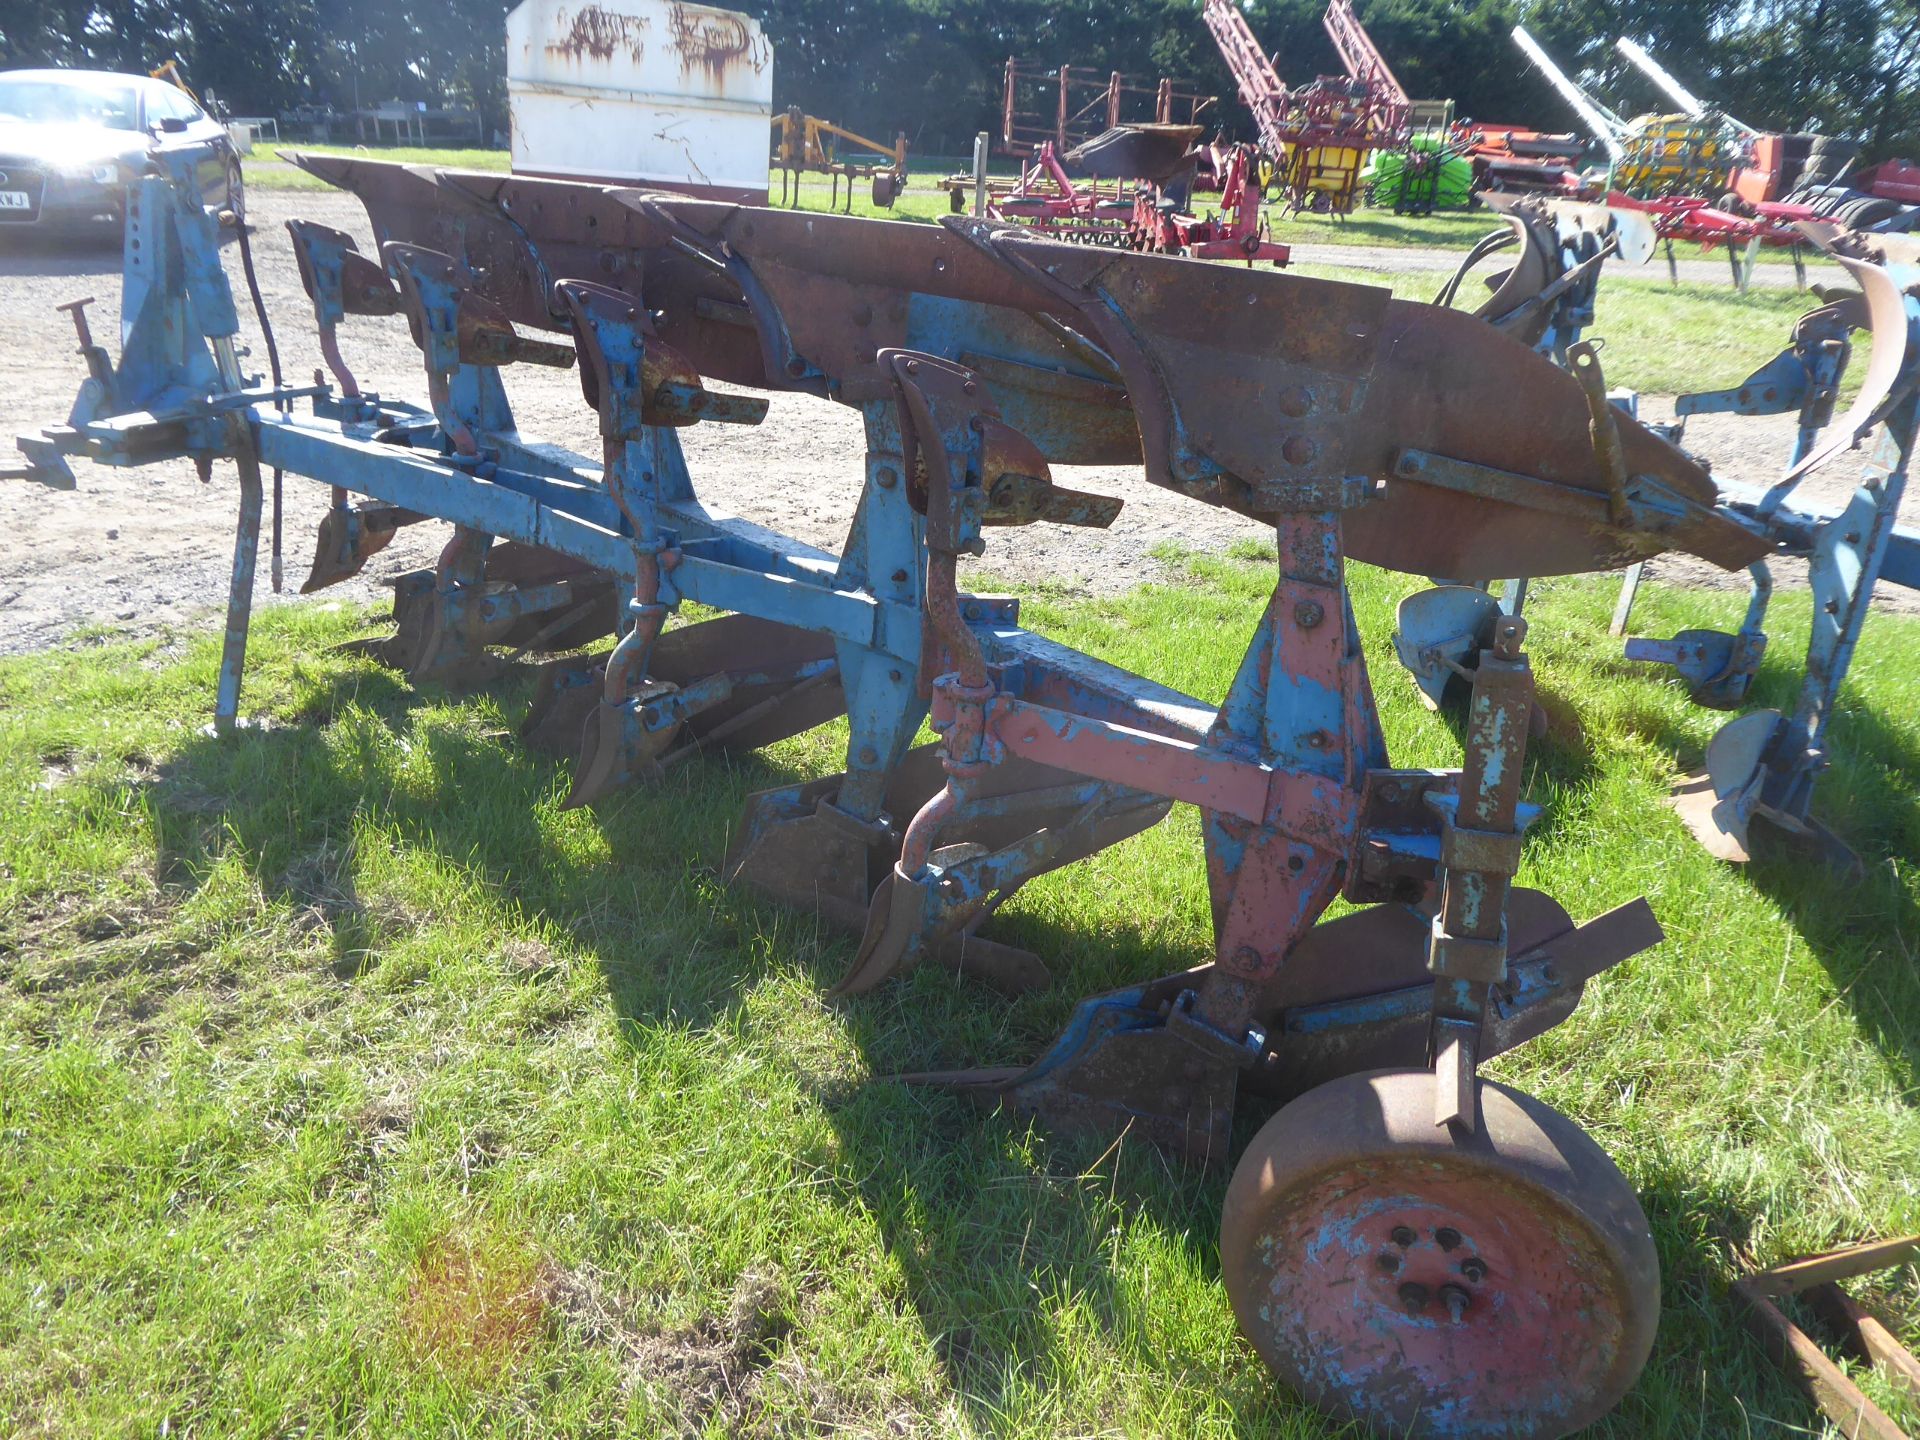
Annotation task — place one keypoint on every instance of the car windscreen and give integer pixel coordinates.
(45, 101)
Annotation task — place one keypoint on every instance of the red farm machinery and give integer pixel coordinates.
(1320, 134)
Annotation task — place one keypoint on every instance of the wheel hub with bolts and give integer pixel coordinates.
(1435, 1281)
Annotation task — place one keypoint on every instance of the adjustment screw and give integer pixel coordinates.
(1474, 1268)
(1447, 1238)
(1456, 1300)
(1403, 1236)
(1413, 1296)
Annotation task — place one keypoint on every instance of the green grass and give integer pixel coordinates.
(1661, 339)
(265, 170)
(348, 1086)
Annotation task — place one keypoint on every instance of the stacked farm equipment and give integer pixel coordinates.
(980, 356)
(1679, 168)
(1067, 105)
(1781, 179)
(1517, 160)
(1320, 135)
(1149, 207)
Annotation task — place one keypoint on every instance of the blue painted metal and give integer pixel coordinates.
(1048, 756)
(1278, 766)
(1436, 631)
(1717, 668)
(879, 669)
(1776, 387)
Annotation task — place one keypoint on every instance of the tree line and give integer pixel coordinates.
(933, 67)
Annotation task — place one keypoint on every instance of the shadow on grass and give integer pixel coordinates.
(993, 1226)
(457, 788)
(1864, 931)
(990, 1222)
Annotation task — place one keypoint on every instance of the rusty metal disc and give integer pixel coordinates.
(1433, 1281)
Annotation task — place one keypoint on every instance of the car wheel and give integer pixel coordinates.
(237, 191)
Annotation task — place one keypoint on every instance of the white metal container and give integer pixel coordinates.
(653, 91)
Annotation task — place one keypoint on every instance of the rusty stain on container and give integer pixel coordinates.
(716, 41)
(599, 33)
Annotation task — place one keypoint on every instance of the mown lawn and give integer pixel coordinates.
(350, 1087)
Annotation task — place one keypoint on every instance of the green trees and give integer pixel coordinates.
(932, 67)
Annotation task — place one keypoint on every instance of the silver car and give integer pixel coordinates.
(70, 140)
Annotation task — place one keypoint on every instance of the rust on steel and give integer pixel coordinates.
(716, 41)
(1815, 1280)
(599, 34)
(782, 300)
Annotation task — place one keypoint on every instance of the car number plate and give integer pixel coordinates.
(15, 200)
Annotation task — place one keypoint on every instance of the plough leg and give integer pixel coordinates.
(1765, 763)
(827, 856)
(246, 551)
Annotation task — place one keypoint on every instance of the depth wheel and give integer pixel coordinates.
(1432, 1282)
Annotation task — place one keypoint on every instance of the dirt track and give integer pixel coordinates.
(137, 549)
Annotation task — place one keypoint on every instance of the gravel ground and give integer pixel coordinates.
(140, 549)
